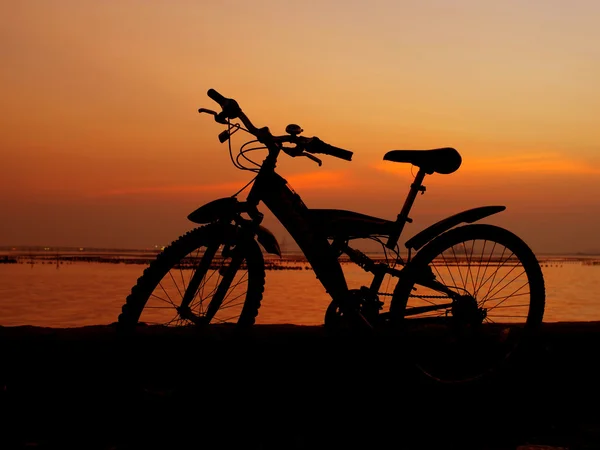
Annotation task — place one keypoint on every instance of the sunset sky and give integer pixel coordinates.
(101, 143)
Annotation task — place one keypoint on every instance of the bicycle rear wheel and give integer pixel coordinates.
(209, 275)
(469, 300)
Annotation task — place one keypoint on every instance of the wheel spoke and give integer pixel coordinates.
(486, 265)
(496, 291)
(179, 285)
(449, 271)
(500, 287)
(492, 277)
(506, 297)
(176, 285)
(476, 286)
(200, 296)
(469, 260)
(226, 304)
(168, 300)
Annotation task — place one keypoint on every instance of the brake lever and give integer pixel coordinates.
(299, 151)
(218, 116)
(314, 158)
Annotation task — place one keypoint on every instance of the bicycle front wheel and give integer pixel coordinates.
(469, 299)
(210, 275)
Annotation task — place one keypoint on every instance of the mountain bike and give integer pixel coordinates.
(465, 294)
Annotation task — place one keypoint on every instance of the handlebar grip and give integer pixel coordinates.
(217, 97)
(318, 146)
(339, 152)
(230, 108)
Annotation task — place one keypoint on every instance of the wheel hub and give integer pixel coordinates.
(466, 311)
(186, 313)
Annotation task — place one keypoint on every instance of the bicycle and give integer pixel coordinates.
(471, 291)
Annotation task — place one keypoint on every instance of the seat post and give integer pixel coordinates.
(402, 219)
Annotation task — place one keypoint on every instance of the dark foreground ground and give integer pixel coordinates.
(285, 387)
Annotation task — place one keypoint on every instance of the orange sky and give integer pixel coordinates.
(101, 144)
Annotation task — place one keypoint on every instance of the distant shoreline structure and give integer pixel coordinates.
(27, 249)
(288, 261)
(19, 250)
(7, 260)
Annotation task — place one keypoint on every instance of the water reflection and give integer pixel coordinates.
(91, 291)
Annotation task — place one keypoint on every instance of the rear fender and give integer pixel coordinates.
(468, 216)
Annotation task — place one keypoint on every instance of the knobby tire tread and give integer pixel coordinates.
(171, 255)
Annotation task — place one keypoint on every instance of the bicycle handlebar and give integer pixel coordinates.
(316, 145)
(217, 97)
(231, 110)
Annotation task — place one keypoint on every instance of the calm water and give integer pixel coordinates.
(91, 293)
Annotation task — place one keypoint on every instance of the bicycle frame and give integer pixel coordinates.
(301, 222)
(459, 290)
(288, 207)
(290, 210)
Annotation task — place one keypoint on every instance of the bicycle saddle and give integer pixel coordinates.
(440, 160)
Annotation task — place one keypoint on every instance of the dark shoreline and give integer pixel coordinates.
(285, 386)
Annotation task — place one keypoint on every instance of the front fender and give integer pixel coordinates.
(217, 209)
(228, 208)
(268, 240)
(468, 216)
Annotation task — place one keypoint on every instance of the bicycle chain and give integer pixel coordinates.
(385, 294)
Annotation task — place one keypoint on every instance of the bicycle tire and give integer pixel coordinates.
(152, 299)
(489, 265)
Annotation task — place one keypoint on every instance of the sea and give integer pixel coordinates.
(79, 287)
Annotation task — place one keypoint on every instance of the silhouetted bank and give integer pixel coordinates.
(284, 387)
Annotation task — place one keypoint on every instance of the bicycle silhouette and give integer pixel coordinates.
(467, 293)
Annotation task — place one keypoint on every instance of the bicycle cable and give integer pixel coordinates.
(235, 161)
(244, 187)
(242, 154)
(398, 258)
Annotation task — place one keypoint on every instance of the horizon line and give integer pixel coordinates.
(156, 248)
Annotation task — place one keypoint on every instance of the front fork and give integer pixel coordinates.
(227, 272)
(194, 286)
